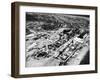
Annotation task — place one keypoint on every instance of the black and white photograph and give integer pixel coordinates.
(54, 39)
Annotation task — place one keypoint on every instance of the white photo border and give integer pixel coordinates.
(38, 70)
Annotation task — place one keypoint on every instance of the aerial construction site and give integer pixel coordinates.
(56, 39)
